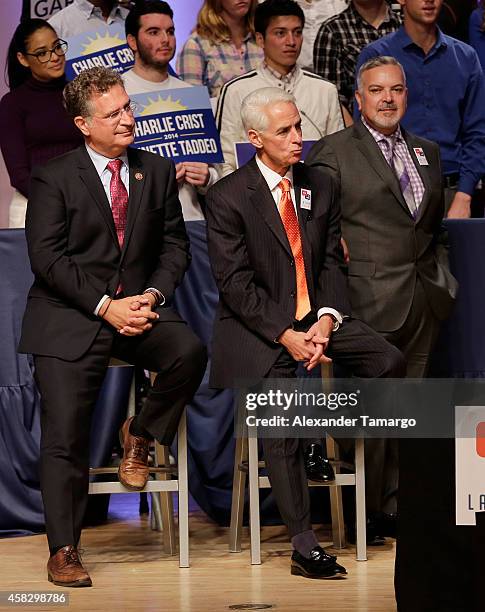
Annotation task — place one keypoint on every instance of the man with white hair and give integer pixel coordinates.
(274, 244)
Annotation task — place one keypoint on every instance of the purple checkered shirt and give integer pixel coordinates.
(395, 141)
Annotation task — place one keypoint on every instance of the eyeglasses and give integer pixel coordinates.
(44, 57)
(115, 116)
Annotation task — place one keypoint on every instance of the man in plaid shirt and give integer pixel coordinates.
(341, 38)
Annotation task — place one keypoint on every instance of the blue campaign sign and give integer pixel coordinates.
(105, 47)
(179, 124)
(245, 151)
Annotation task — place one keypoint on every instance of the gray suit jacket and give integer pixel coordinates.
(389, 250)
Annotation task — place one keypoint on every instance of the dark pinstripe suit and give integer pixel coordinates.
(254, 270)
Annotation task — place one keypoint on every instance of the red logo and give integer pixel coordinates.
(480, 439)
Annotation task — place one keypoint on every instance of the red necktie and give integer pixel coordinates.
(119, 198)
(292, 229)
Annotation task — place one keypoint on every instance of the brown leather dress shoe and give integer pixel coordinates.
(133, 471)
(65, 568)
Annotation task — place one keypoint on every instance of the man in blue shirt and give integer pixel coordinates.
(446, 96)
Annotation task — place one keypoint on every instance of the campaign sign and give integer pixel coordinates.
(43, 9)
(470, 463)
(105, 47)
(179, 124)
(244, 151)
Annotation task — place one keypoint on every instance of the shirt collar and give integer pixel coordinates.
(391, 15)
(396, 136)
(100, 161)
(284, 78)
(404, 40)
(87, 9)
(271, 177)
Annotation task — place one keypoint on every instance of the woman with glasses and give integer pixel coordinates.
(34, 126)
(222, 46)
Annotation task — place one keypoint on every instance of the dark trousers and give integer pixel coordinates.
(426, 502)
(415, 339)
(365, 354)
(68, 394)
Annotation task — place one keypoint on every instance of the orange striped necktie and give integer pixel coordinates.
(292, 229)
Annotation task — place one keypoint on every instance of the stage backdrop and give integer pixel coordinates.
(185, 12)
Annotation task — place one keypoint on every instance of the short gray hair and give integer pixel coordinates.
(78, 93)
(376, 62)
(252, 115)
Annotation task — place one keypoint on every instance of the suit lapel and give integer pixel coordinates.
(264, 203)
(410, 142)
(90, 178)
(372, 153)
(300, 182)
(137, 185)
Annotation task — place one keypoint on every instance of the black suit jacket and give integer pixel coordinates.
(254, 268)
(74, 250)
(389, 250)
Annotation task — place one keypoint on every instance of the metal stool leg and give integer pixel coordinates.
(164, 502)
(336, 506)
(183, 491)
(156, 522)
(254, 522)
(360, 512)
(238, 489)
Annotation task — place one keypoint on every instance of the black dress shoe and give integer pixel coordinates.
(320, 565)
(386, 524)
(373, 536)
(317, 466)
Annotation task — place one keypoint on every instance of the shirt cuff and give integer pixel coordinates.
(331, 311)
(160, 298)
(100, 303)
(467, 183)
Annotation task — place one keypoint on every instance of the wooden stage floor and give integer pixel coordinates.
(131, 572)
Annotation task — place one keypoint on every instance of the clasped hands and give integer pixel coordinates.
(132, 315)
(309, 346)
(195, 173)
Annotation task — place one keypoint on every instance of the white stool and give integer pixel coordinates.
(161, 487)
(247, 462)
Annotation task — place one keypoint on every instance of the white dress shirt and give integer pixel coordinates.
(82, 16)
(273, 179)
(101, 162)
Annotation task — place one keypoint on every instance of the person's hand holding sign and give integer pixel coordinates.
(196, 173)
(180, 173)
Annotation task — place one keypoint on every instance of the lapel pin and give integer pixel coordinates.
(306, 199)
(420, 156)
(138, 176)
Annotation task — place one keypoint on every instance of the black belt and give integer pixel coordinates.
(451, 180)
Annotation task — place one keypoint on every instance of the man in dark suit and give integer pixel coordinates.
(274, 242)
(107, 246)
(392, 207)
